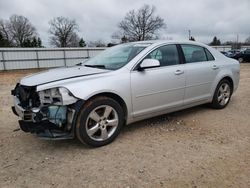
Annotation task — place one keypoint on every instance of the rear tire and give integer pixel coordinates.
(99, 122)
(241, 60)
(222, 94)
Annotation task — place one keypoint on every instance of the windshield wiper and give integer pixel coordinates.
(96, 66)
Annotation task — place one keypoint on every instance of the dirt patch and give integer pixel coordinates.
(197, 147)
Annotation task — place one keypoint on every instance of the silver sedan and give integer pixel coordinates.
(123, 84)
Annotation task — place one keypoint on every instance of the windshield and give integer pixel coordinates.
(116, 57)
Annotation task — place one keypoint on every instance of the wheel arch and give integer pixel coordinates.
(230, 80)
(222, 75)
(214, 102)
(115, 97)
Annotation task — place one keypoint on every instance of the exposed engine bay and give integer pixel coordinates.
(49, 113)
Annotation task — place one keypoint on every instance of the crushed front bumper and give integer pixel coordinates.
(30, 122)
(19, 111)
(45, 130)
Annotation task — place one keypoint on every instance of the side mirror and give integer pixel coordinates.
(149, 63)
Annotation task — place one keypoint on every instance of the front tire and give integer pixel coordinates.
(222, 94)
(99, 122)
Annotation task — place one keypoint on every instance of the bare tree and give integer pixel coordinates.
(247, 40)
(97, 43)
(20, 29)
(3, 31)
(3, 41)
(17, 30)
(63, 31)
(141, 24)
(74, 40)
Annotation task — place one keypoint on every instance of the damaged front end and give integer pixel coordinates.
(51, 113)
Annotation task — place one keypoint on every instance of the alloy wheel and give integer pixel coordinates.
(224, 94)
(102, 122)
(240, 60)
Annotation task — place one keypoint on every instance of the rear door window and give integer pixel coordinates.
(210, 57)
(193, 53)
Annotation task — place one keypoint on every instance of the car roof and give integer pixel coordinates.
(159, 42)
(153, 44)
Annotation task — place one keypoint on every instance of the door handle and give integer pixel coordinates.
(215, 67)
(178, 72)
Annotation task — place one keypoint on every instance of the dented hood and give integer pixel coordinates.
(58, 74)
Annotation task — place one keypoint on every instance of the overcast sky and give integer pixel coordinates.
(98, 19)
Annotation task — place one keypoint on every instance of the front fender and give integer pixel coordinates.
(84, 88)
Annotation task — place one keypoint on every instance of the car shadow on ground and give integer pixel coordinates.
(166, 119)
(171, 121)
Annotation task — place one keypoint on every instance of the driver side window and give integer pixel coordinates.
(166, 55)
(156, 54)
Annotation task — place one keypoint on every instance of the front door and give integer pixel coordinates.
(159, 88)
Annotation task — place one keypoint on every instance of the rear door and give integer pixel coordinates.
(201, 70)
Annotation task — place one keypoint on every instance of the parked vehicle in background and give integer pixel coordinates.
(228, 54)
(234, 52)
(122, 85)
(243, 56)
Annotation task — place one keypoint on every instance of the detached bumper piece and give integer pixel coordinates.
(45, 130)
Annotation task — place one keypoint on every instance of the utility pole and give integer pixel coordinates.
(237, 42)
(189, 34)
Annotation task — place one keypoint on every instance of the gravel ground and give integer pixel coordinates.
(197, 147)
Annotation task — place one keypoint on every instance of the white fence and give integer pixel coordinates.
(228, 47)
(27, 58)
